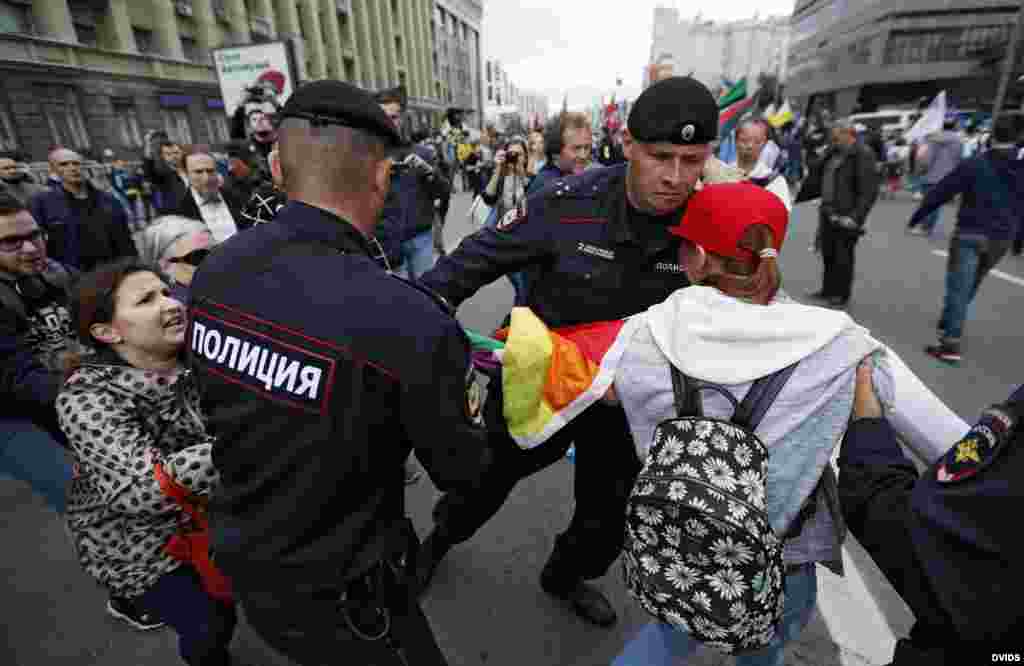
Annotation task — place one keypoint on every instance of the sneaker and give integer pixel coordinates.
(132, 614)
(945, 352)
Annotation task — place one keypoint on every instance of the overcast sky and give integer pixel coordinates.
(582, 46)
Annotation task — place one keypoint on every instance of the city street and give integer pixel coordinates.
(485, 605)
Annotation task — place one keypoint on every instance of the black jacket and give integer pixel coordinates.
(168, 188)
(587, 254)
(319, 373)
(187, 207)
(83, 233)
(856, 186)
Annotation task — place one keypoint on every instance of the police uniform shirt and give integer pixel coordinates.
(589, 255)
(319, 373)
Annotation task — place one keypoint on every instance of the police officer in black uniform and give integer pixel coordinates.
(319, 373)
(948, 539)
(595, 247)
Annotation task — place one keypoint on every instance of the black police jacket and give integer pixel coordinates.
(589, 256)
(319, 372)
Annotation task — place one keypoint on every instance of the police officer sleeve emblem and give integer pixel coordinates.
(474, 397)
(977, 449)
(512, 218)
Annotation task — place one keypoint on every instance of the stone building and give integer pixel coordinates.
(96, 74)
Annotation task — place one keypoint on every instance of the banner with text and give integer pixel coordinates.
(243, 70)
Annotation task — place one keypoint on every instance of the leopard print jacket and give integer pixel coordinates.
(120, 421)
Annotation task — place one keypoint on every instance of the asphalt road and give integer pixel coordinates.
(485, 605)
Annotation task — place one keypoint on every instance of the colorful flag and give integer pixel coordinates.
(930, 122)
(729, 119)
(734, 94)
(782, 116)
(550, 376)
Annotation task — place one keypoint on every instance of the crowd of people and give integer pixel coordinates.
(222, 403)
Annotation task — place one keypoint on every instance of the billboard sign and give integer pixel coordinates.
(242, 70)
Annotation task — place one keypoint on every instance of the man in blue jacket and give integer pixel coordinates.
(991, 186)
(85, 227)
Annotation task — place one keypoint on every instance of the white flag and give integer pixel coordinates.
(931, 121)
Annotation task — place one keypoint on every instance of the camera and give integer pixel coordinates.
(512, 158)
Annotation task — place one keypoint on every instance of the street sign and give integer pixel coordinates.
(243, 68)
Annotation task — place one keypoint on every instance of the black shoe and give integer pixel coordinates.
(132, 614)
(587, 601)
(819, 295)
(428, 557)
(838, 302)
(946, 352)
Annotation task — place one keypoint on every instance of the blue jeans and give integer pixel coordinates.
(203, 624)
(30, 454)
(418, 254)
(969, 262)
(660, 644)
(932, 219)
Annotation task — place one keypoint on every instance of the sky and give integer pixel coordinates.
(581, 47)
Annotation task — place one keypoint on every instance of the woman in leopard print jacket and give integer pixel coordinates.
(126, 408)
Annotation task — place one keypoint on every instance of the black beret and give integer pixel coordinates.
(679, 110)
(338, 103)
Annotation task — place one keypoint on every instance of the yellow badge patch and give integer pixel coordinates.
(967, 450)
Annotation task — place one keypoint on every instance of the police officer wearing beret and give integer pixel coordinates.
(947, 539)
(319, 373)
(594, 247)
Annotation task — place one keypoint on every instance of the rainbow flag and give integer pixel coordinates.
(729, 119)
(549, 376)
(735, 93)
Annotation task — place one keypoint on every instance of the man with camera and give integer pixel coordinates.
(846, 181)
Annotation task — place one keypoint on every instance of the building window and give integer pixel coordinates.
(15, 18)
(83, 17)
(394, 12)
(177, 126)
(217, 127)
(401, 79)
(60, 106)
(8, 137)
(343, 31)
(436, 65)
(190, 49)
(128, 124)
(398, 49)
(144, 40)
(350, 69)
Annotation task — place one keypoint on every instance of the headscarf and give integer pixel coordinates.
(163, 233)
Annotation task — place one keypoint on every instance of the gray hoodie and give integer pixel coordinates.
(945, 150)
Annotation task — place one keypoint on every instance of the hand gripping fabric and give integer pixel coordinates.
(700, 552)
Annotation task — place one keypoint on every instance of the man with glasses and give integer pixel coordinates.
(86, 227)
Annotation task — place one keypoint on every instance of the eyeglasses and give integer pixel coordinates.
(15, 243)
(193, 258)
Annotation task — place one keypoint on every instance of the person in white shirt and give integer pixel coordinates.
(756, 157)
(208, 201)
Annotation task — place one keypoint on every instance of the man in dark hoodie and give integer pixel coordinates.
(991, 186)
(947, 541)
(945, 150)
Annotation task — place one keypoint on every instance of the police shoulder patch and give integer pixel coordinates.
(977, 449)
(512, 218)
(474, 397)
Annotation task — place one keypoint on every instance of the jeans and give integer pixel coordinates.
(204, 625)
(30, 454)
(418, 254)
(660, 644)
(969, 262)
(932, 219)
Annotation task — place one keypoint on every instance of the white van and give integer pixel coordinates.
(892, 121)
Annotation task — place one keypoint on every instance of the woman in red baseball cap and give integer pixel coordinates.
(731, 329)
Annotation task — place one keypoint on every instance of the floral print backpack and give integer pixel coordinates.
(700, 553)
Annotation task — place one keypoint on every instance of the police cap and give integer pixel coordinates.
(678, 110)
(338, 103)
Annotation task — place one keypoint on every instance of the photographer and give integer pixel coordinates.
(506, 190)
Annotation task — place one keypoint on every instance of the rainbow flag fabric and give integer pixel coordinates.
(549, 376)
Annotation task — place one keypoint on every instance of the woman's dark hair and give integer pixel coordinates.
(758, 281)
(92, 297)
(520, 141)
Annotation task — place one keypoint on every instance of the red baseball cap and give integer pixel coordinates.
(717, 216)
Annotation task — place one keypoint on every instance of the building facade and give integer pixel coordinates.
(711, 51)
(505, 99)
(94, 74)
(862, 55)
(457, 57)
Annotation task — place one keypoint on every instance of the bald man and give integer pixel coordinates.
(85, 226)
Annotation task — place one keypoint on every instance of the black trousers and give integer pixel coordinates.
(606, 467)
(837, 252)
(875, 483)
(309, 625)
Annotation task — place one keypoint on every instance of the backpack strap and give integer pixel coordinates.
(687, 394)
(760, 398)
